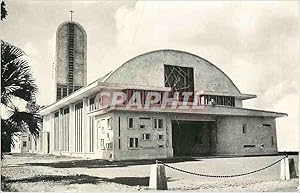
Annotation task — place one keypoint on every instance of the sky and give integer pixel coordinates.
(256, 43)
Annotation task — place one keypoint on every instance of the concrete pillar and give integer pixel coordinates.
(85, 126)
(44, 142)
(158, 179)
(51, 129)
(292, 168)
(72, 129)
(60, 131)
(285, 169)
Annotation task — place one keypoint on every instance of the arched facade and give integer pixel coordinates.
(148, 70)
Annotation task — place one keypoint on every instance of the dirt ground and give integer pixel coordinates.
(36, 173)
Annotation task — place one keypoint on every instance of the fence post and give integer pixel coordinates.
(285, 169)
(158, 179)
(293, 172)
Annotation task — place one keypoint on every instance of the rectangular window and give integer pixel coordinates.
(136, 142)
(145, 118)
(119, 126)
(65, 92)
(133, 142)
(160, 137)
(160, 146)
(179, 78)
(130, 123)
(249, 146)
(24, 144)
(109, 145)
(102, 125)
(99, 124)
(35, 144)
(217, 100)
(158, 123)
(142, 126)
(109, 123)
(107, 134)
(91, 103)
(266, 125)
(102, 143)
(146, 136)
(119, 143)
(272, 140)
(244, 128)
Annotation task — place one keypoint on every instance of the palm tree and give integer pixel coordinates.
(17, 83)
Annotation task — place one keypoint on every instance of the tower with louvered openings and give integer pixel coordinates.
(71, 58)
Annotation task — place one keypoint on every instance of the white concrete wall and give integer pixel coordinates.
(19, 146)
(107, 134)
(238, 103)
(231, 138)
(146, 149)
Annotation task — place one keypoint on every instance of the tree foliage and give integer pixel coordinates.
(3, 10)
(17, 83)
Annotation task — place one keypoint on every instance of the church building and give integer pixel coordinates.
(79, 124)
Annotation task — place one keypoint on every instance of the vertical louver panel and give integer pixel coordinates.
(71, 55)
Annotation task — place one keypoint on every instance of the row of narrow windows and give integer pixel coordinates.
(65, 90)
(157, 123)
(133, 142)
(104, 124)
(217, 100)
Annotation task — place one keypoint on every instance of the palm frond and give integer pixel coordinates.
(16, 77)
(25, 121)
(10, 52)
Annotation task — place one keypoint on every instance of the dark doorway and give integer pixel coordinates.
(193, 138)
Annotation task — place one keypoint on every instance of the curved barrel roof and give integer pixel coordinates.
(148, 70)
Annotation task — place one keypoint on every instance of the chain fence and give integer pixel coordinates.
(221, 176)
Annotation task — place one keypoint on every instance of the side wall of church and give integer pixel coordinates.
(245, 136)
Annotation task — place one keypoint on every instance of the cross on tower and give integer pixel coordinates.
(71, 11)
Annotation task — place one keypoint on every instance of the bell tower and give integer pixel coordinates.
(71, 58)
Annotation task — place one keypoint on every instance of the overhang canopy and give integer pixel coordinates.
(236, 95)
(204, 110)
(93, 89)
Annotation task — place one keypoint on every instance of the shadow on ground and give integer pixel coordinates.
(74, 179)
(98, 163)
(86, 179)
